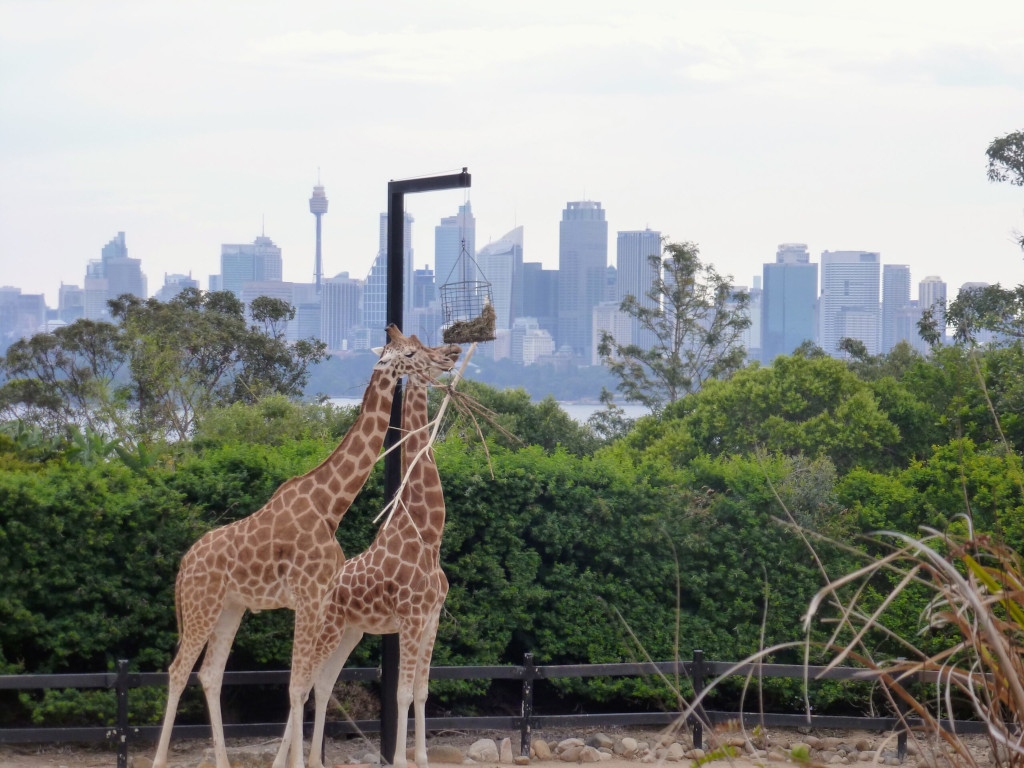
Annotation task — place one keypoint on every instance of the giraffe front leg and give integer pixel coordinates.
(323, 686)
(421, 687)
(307, 630)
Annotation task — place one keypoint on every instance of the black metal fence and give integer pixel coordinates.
(124, 734)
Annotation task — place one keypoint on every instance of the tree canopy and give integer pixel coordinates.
(696, 321)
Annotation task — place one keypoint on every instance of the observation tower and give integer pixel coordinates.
(318, 207)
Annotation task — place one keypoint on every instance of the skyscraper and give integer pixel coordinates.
(582, 262)
(502, 263)
(110, 276)
(635, 276)
(454, 236)
(339, 310)
(375, 296)
(931, 294)
(788, 301)
(318, 207)
(540, 296)
(258, 261)
(849, 299)
(896, 319)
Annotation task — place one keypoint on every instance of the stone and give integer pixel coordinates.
(505, 751)
(891, 761)
(599, 740)
(866, 756)
(565, 744)
(483, 751)
(370, 758)
(777, 755)
(835, 759)
(541, 750)
(140, 762)
(831, 743)
(572, 754)
(445, 753)
(863, 745)
(695, 754)
(826, 755)
(814, 742)
(674, 752)
(625, 747)
(521, 760)
(589, 755)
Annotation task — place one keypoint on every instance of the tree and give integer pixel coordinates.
(697, 320)
(157, 369)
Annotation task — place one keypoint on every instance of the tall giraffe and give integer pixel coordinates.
(285, 554)
(396, 585)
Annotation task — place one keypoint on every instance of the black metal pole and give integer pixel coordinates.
(122, 713)
(393, 461)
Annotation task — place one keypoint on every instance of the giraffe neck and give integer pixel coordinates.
(346, 470)
(424, 502)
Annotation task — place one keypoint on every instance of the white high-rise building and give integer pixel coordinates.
(339, 310)
(501, 263)
(454, 236)
(258, 261)
(608, 317)
(850, 299)
(635, 276)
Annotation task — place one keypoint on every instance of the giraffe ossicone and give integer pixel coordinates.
(285, 554)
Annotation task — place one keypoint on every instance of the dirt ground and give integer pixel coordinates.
(250, 754)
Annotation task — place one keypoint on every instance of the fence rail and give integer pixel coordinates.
(124, 734)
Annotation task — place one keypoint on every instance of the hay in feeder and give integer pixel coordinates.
(480, 328)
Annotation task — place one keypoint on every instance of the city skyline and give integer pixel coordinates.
(851, 126)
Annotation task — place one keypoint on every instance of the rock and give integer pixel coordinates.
(565, 744)
(803, 729)
(649, 758)
(521, 760)
(827, 755)
(140, 762)
(674, 752)
(666, 739)
(891, 761)
(505, 751)
(835, 759)
(863, 745)
(371, 758)
(483, 751)
(831, 743)
(625, 747)
(912, 748)
(572, 754)
(777, 755)
(814, 742)
(866, 756)
(695, 754)
(599, 740)
(605, 755)
(541, 750)
(589, 755)
(445, 753)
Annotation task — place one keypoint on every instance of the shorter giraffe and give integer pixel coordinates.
(284, 555)
(396, 585)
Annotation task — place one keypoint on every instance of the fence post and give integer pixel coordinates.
(903, 708)
(697, 676)
(122, 713)
(526, 726)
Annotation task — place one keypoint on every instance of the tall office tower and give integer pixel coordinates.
(70, 303)
(95, 289)
(582, 263)
(22, 315)
(540, 295)
(850, 299)
(636, 275)
(502, 263)
(788, 302)
(258, 261)
(895, 303)
(318, 207)
(175, 284)
(752, 335)
(375, 296)
(125, 276)
(611, 283)
(340, 313)
(931, 294)
(115, 249)
(454, 236)
(423, 289)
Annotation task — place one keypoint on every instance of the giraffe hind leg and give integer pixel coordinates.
(211, 674)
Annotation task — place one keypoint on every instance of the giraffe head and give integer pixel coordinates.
(407, 354)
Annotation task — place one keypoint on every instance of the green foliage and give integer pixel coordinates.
(158, 370)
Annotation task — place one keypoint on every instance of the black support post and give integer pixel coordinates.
(122, 713)
(390, 651)
(697, 676)
(526, 728)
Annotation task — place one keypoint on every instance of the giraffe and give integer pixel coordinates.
(396, 585)
(285, 554)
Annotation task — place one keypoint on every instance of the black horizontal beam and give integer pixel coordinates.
(430, 183)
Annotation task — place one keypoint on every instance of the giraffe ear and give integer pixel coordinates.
(378, 351)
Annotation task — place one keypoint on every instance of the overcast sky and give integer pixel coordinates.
(737, 125)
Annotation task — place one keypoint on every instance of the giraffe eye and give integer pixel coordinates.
(410, 354)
